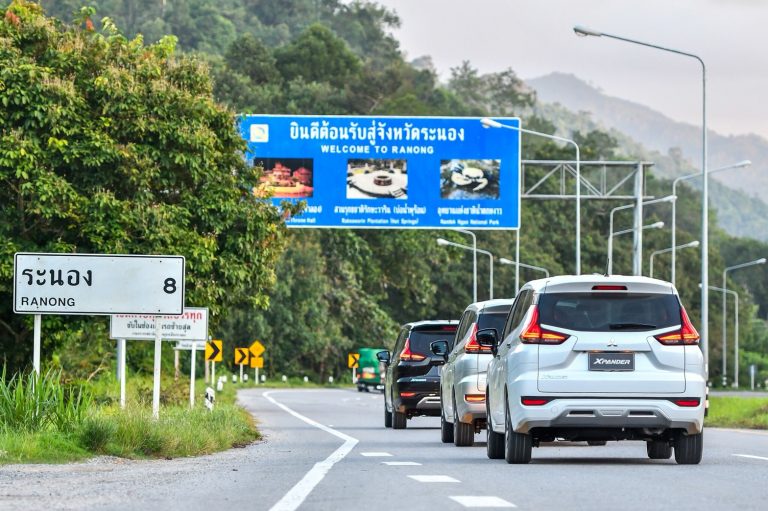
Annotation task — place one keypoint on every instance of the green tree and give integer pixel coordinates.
(111, 146)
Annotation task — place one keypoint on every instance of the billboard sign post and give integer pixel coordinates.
(388, 172)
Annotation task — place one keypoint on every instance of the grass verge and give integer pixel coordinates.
(738, 412)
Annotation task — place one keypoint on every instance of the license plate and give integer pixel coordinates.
(611, 361)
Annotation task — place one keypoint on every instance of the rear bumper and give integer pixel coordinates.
(469, 412)
(426, 398)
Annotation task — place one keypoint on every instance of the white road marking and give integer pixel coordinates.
(401, 463)
(375, 454)
(435, 479)
(470, 501)
(751, 457)
(296, 495)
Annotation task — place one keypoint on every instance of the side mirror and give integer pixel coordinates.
(488, 338)
(383, 356)
(440, 348)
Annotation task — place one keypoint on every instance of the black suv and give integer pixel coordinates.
(413, 372)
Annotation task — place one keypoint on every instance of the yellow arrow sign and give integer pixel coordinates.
(214, 351)
(256, 349)
(257, 362)
(241, 356)
(353, 360)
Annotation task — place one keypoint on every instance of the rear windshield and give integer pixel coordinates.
(493, 320)
(421, 339)
(609, 312)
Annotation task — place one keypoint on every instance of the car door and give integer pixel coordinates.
(495, 379)
(449, 370)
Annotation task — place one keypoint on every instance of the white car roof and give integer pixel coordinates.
(586, 283)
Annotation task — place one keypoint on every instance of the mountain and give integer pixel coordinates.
(675, 147)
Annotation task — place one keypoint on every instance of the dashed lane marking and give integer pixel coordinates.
(434, 479)
(401, 463)
(296, 495)
(472, 501)
(375, 454)
(750, 456)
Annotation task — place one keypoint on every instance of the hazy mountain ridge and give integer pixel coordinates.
(738, 196)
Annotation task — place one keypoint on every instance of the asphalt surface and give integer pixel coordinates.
(329, 450)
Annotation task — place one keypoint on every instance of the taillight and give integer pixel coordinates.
(474, 398)
(407, 354)
(688, 402)
(407, 394)
(472, 345)
(606, 287)
(534, 401)
(687, 335)
(534, 334)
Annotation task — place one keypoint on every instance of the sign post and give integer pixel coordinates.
(36, 346)
(353, 361)
(121, 368)
(192, 376)
(213, 353)
(256, 349)
(156, 375)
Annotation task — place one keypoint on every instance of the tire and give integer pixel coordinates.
(463, 433)
(596, 442)
(359, 388)
(658, 450)
(517, 446)
(387, 416)
(399, 420)
(689, 448)
(446, 429)
(495, 444)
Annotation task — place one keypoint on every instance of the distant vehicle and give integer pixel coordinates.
(368, 373)
(596, 358)
(462, 379)
(412, 384)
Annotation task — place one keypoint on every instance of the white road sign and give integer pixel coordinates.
(97, 284)
(187, 345)
(192, 325)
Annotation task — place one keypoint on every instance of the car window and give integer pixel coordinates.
(510, 325)
(463, 326)
(609, 312)
(400, 341)
(421, 338)
(493, 319)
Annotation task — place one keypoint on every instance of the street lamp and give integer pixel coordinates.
(504, 260)
(724, 289)
(490, 123)
(474, 258)
(692, 244)
(583, 31)
(444, 242)
(739, 165)
(657, 225)
(668, 198)
(735, 335)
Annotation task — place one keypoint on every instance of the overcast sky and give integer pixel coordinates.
(535, 37)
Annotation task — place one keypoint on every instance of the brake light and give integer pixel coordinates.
(534, 334)
(534, 401)
(407, 354)
(407, 394)
(687, 402)
(451, 328)
(472, 345)
(687, 335)
(606, 287)
(474, 398)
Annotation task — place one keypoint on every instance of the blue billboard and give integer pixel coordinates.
(389, 172)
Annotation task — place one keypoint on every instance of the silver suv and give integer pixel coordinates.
(596, 358)
(462, 379)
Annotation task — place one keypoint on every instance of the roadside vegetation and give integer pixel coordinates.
(738, 412)
(43, 419)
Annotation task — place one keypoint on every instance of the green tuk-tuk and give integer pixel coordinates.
(369, 374)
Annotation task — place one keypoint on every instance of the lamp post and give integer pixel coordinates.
(444, 242)
(583, 31)
(735, 336)
(474, 258)
(657, 225)
(504, 260)
(490, 123)
(668, 198)
(739, 165)
(673, 249)
(724, 290)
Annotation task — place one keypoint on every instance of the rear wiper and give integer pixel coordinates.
(622, 326)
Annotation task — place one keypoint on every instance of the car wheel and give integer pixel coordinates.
(658, 450)
(463, 433)
(387, 416)
(595, 443)
(446, 429)
(689, 448)
(399, 420)
(495, 444)
(359, 388)
(517, 446)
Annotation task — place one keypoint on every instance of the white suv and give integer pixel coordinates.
(462, 379)
(596, 358)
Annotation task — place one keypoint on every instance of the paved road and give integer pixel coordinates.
(328, 450)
